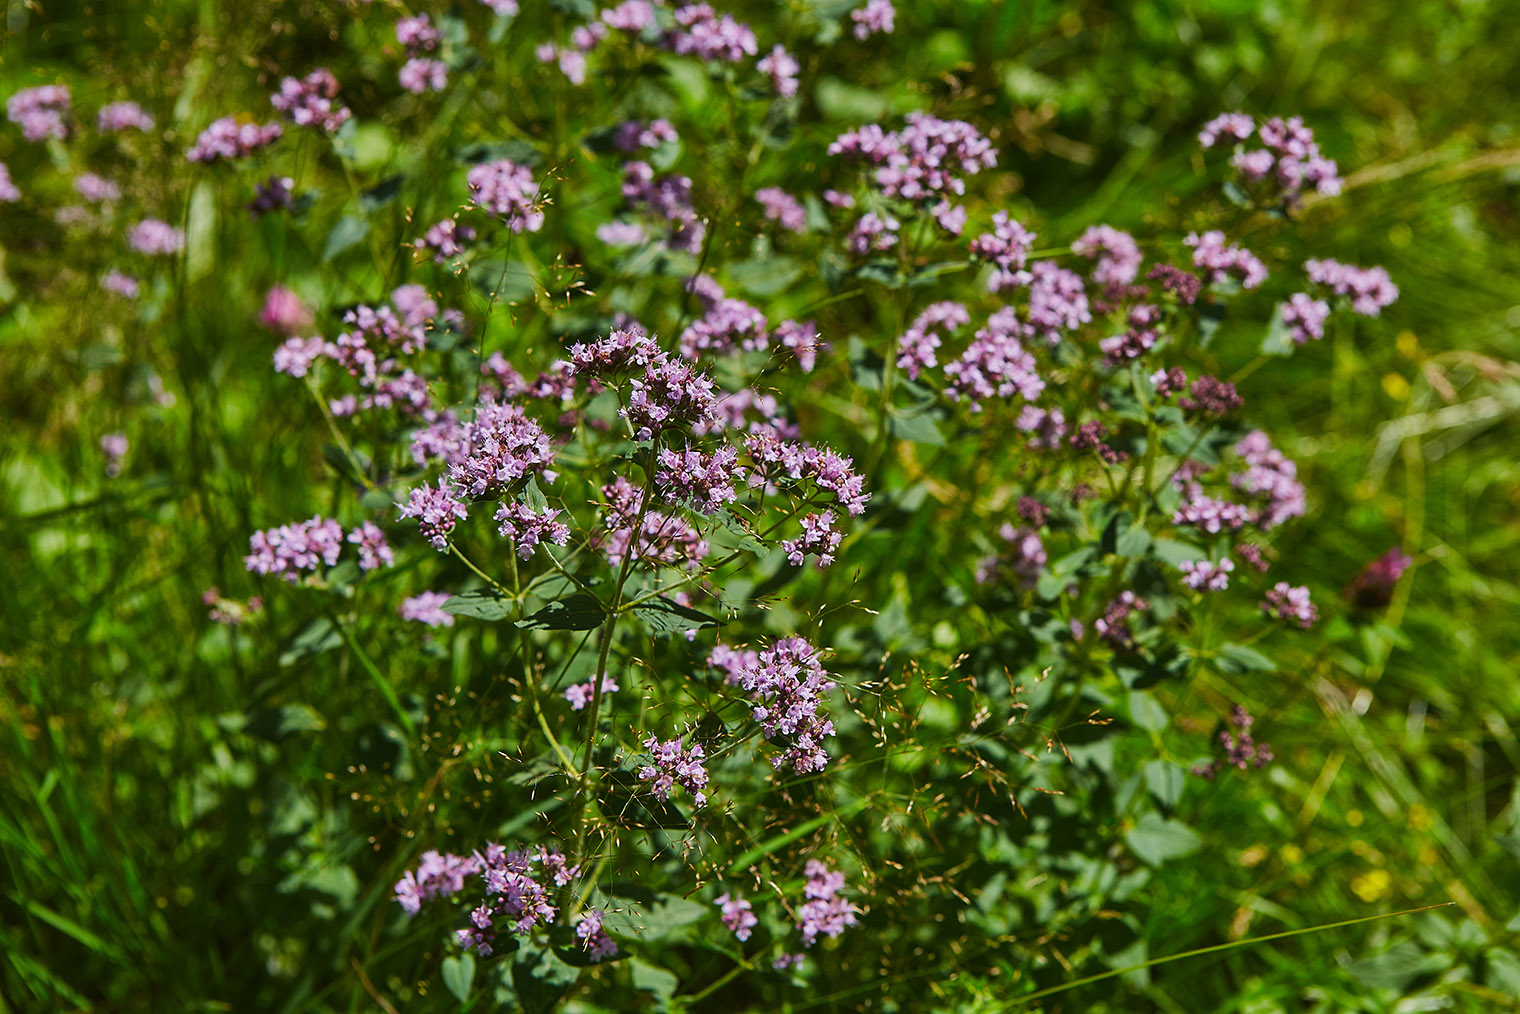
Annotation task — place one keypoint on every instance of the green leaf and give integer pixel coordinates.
(731, 522)
(1156, 839)
(577, 612)
(1173, 552)
(654, 921)
(881, 270)
(533, 498)
(480, 605)
(458, 974)
(654, 980)
(1278, 340)
(315, 638)
(540, 979)
(919, 429)
(349, 230)
(765, 277)
(1237, 658)
(274, 724)
(1146, 713)
(382, 193)
(1164, 781)
(1134, 542)
(667, 616)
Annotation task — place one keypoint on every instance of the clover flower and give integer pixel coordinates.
(874, 232)
(927, 157)
(1238, 126)
(1047, 424)
(417, 33)
(673, 765)
(633, 135)
(776, 457)
(426, 607)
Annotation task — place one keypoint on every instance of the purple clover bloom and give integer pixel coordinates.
(507, 189)
(40, 112)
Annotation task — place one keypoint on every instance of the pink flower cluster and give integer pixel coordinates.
(228, 139)
(788, 687)
(507, 189)
(1369, 289)
(309, 101)
(40, 112)
(673, 765)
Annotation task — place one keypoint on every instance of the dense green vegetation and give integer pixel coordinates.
(204, 816)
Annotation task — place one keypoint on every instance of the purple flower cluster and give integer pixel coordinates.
(1305, 317)
(123, 285)
(437, 511)
(274, 194)
(1290, 603)
(727, 325)
(825, 911)
(426, 607)
(580, 694)
(775, 457)
(1240, 750)
(926, 158)
(652, 536)
(445, 239)
(437, 875)
(527, 529)
(1117, 254)
(518, 886)
(1201, 575)
(1023, 560)
(9, 194)
(40, 112)
(995, 364)
(1047, 425)
(155, 238)
(1290, 158)
(1271, 476)
(1139, 338)
(782, 68)
(1113, 625)
(874, 232)
(875, 16)
(668, 197)
(96, 189)
(788, 686)
(420, 73)
(705, 35)
(782, 208)
(119, 117)
(374, 551)
(704, 482)
(738, 915)
(675, 765)
(1369, 289)
(1210, 396)
(594, 939)
(309, 101)
(502, 445)
(1372, 588)
(1214, 255)
(288, 550)
(818, 539)
(507, 189)
(228, 139)
(916, 346)
(672, 394)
